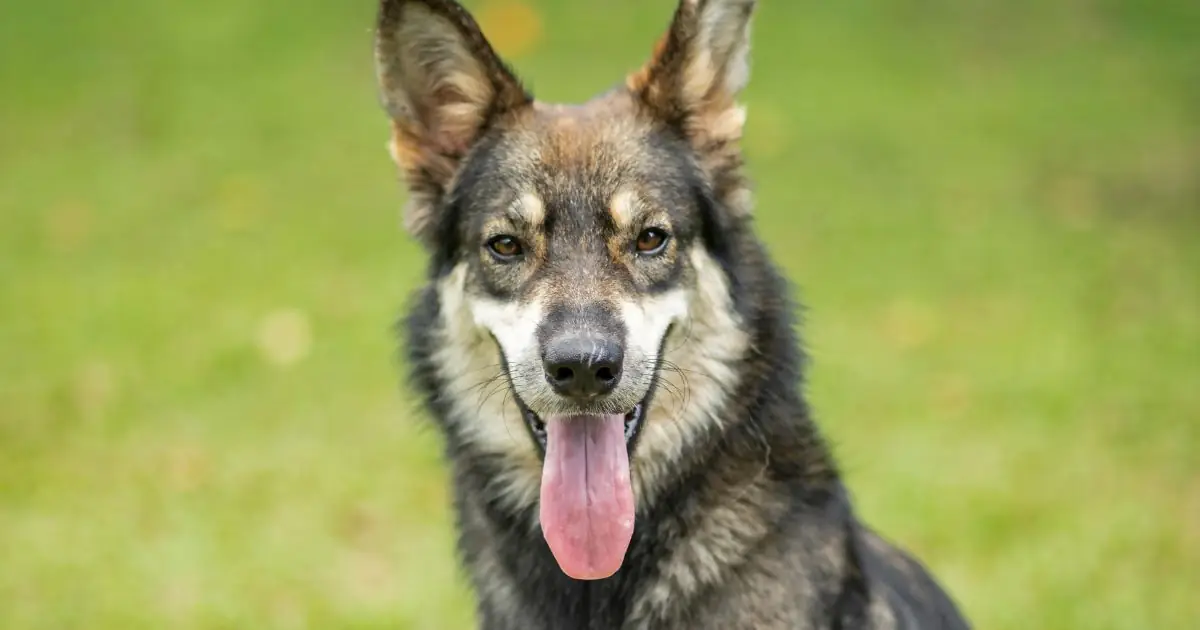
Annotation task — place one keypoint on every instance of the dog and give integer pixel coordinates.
(609, 352)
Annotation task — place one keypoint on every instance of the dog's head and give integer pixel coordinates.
(569, 242)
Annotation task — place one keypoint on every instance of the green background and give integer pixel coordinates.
(991, 209)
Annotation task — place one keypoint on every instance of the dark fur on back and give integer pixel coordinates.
(749, 526)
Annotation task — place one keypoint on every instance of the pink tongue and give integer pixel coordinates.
(587, 500)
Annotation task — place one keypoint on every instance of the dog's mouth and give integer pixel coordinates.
(587, 507)
(632, 424)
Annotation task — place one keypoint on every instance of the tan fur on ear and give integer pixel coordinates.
(693, 79)
(440, 82)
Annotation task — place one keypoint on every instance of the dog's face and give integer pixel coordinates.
(575, 227)
(574, 251)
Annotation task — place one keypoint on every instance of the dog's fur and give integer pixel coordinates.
(741, 519)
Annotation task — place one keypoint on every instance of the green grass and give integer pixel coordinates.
(992, 209)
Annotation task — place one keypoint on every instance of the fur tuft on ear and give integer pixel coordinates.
(693, 79)
(441, 83)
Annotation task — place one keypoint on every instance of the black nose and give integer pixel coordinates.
(583, 367)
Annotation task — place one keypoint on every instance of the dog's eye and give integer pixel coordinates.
(651, 241)
(504, 247)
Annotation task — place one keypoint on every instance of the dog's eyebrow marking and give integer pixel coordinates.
(529, 208)
(623, 207)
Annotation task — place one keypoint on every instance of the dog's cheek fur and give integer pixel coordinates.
(513, 325)
(466, 362)
(647, 320)
(701, 356)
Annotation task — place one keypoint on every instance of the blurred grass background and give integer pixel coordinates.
(992, 210)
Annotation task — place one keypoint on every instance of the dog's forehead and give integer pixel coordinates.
(573, 168)
(580, 158)
(603, 134)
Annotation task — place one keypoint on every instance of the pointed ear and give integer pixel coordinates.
(698, 69)
(441, 83)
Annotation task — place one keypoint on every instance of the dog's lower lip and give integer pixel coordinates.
(537, 426)
(632, 420)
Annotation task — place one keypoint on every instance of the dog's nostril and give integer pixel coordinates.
(564, 374)
(604, 374)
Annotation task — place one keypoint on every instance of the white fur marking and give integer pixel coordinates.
(530, 208)
(623, 208)
(469, 363)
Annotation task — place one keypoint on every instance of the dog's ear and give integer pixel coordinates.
(692, 81)
(441, 83)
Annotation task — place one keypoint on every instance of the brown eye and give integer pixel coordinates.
(504, 247)
(651, 241)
